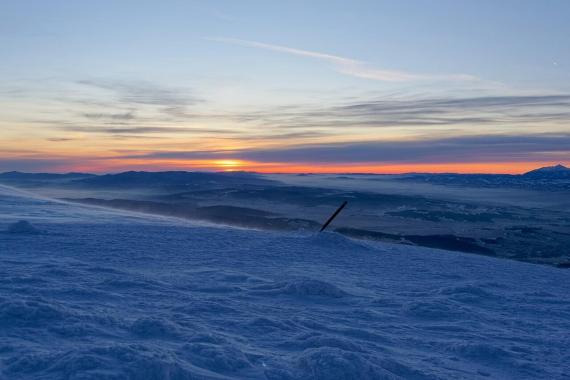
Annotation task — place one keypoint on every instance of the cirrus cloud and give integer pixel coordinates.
(349, 66)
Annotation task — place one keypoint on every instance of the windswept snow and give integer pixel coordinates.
(105, 295)
(19, 205)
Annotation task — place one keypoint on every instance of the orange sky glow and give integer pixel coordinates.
(290, 168)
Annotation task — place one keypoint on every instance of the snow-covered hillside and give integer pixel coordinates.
(98, 294)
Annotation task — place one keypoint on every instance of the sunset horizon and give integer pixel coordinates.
(284, 190)
(285, 168)
(383, 87)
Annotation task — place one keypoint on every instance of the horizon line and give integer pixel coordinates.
(229, 171)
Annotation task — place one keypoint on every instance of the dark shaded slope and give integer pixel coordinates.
(221, 214)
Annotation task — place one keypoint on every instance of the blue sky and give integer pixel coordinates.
(230, 80)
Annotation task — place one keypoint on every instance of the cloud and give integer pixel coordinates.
(138, 130)
(481, 148)
(456, 111)
(504, 101)
(302, 123)
(145, 93)
(488, 110)
(60, 139)
(178, 155)
(546, 147)
(349, 66)
(123, 116)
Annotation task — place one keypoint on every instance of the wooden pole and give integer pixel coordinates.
(333, 216)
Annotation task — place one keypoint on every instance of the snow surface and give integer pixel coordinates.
(98, 294)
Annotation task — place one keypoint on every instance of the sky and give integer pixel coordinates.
(284, 86)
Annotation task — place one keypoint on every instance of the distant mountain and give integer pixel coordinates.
(43, 176)
(549, 172)
(169, 179)
(551, 178)
(40, 179)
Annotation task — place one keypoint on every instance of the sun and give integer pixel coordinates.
(228, 165)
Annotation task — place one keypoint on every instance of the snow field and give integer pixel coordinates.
(97, 295)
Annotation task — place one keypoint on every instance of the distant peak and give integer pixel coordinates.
(550, 170)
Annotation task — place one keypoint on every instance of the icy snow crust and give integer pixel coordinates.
(103, 295)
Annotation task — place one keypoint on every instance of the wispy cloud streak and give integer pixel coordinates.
(350, 66)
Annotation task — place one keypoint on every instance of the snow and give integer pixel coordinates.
(22, 227)
(100, 294)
